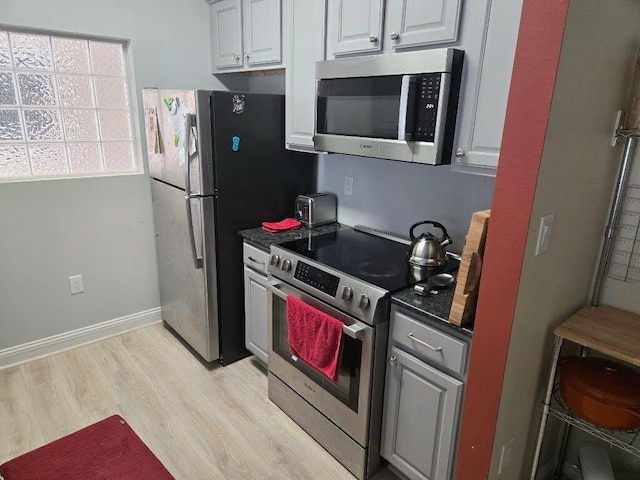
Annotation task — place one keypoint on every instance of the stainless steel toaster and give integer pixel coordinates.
(316, 209)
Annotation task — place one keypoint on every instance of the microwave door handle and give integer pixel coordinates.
(407, 112)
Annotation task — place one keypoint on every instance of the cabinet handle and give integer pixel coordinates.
(423, 343)
(460, 153)
(246, 55)
(236, 57)
(373, 38)
(393, 361)
(394, 36)
(255, 261)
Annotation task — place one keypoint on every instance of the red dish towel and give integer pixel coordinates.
(286, 224)
(314, 337)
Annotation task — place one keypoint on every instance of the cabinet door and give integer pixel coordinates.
(354, 26)
(420, 417)
(255, 313)
(411, 23)
(225, 23)
(262, 31)
(304, 46)
(484, 102)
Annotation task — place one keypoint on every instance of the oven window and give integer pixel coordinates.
(360, 107)
(347, 388)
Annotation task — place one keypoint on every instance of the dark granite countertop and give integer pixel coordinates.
(435, 306)
(264, 240)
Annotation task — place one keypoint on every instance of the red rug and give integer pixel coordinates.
(109, 449)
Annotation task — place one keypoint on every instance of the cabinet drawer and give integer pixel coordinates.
(429, 343)
(255, 258)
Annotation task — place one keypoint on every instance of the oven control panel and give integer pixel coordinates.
(323, 281)
(361, 300)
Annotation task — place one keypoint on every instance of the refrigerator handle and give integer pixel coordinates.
(189, 121)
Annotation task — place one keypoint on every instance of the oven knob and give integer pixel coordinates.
(347, 293)
(275, 260)
(364, 301)
(286, 265)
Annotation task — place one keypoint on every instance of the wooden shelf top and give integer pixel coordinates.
(607, 330)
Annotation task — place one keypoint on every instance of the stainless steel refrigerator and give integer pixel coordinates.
(218, 165)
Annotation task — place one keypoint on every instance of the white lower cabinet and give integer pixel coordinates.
(255, 301)
(422, 402)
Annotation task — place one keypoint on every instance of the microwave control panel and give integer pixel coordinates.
(428, 98)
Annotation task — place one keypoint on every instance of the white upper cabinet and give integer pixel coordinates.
(245, 34)
(413, 23)
(304, 34)
(483, 102)
(225, 24)
(356, 26)
(262, 32)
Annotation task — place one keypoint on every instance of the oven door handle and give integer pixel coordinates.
(355, 331)
(273, 287)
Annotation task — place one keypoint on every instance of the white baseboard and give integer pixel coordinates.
(65, 341)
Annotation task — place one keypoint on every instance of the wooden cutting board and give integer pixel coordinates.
(465, 296)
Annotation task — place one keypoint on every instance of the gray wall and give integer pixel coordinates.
(101, 228)
(392, 195)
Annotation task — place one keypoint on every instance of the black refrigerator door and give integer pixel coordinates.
(256, 180)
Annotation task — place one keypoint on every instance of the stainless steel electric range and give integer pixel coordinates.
(349, 275)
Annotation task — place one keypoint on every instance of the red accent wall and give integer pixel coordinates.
(535, 67)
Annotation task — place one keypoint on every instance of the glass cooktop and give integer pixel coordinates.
(370, 258)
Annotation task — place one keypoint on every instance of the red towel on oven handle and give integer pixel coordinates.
(314, 337)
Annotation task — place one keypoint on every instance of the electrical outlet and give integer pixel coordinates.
(505, 456)
(75, 284)
(348, 185)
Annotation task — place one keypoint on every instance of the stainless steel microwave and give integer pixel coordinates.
(400, 106)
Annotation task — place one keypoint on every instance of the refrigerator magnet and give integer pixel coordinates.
(236, 144)
(238, 104)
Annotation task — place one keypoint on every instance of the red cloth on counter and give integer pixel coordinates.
(286, 224)
(314, 337)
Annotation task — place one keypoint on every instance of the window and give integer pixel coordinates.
(65, 109)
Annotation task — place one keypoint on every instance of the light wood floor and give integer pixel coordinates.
(202, 423)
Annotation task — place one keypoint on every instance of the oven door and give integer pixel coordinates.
(346, 403)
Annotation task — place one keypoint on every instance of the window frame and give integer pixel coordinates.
(133, 109)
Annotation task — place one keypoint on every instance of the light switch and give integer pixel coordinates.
(544, 234)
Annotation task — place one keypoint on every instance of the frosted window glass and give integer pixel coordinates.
(36, 89)
(31, 51)
(75, 91)
(118, 157)
(10, 126)
(80, 125)
(5, 53)
(7, 89)
(85, 157)
(48, 159)
(42, 125)
(64, 107)
(110, 92)
(107, 58)
(14, 161)
(114, 125)
(70, 55)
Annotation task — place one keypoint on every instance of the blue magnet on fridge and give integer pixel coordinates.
(236, 144)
